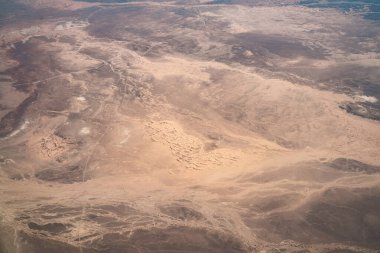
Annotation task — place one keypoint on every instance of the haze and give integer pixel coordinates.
(189, 126)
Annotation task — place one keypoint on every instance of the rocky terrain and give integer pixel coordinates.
(189, 126)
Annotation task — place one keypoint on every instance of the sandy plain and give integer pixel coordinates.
(184, 126)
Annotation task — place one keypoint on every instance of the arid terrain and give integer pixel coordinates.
(189, 126)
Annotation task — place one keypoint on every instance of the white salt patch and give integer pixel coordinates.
(82, 99)
(85, 131)
(368, 99)
(22, 127)
(71, 24)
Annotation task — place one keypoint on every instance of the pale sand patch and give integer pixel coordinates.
(299, 113)
(125, 137)
(30, 30)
